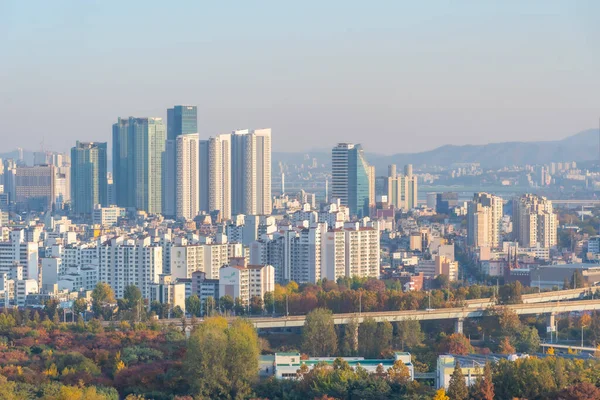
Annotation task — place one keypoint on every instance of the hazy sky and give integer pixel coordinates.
(396, 76)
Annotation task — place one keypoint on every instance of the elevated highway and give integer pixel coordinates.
(535, 305)
(559, 295)
(457, 313)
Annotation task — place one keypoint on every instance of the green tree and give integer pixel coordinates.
(383, 338)
(318, 335)
(528, 340)
(409, 333)
(256, 305)
(209, 306)
(349, 345)
(226, 303)
(457, 388)
(367, 331)
(511, 293)
(577, 280)
(192, 305)
(238, 306)
(205, 359)
(132, 296)
(102, 297)
(80, 306)
(177, 312)
(242, 357)
(222, 361)
(269, 301)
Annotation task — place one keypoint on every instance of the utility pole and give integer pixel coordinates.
(429, 296)
(360, 301)
(287, 305)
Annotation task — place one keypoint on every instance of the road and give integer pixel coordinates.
(544, 303)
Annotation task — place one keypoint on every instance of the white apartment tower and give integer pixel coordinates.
(402, 189)
(362, 250)
(484, 216)
(534, 221)
(17, 251)
(187, 196)
(215, 175)
(124, 262)
(235, 173)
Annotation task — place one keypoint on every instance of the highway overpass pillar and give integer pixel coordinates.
(551, 324)
(458, 325)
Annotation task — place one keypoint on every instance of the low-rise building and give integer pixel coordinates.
(287, 364)
(168, 291)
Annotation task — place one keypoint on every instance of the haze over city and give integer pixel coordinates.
(299, 200)
(409, 75)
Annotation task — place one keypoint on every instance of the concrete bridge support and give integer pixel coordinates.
(458, 325)
(551, 325)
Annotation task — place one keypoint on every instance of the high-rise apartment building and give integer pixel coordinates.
(314, 251)
(402, 190)
(181, 120)
(138, 153)
(124, 262)
(187, 196)
(534, 221)
(351, 178)
(35, 188)
(484, 215)
(215, 175)
(88, 177)
(235, 173)
(251, 172)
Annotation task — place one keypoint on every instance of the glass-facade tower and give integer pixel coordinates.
(181, 120)
(138, 154)
(350, 182)
(89, 185)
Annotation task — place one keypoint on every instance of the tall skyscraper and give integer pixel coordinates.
(88, 176)
(534, 221)
(187, 195)
(122, 159)
(149, 136)
(484, 215)
(351, 178)
(181, 120)
(137, 162)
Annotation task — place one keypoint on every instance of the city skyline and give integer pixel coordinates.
(442, 74)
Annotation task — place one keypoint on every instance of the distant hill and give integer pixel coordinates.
(582, 146)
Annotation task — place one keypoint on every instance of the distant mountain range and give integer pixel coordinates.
(582, 146)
